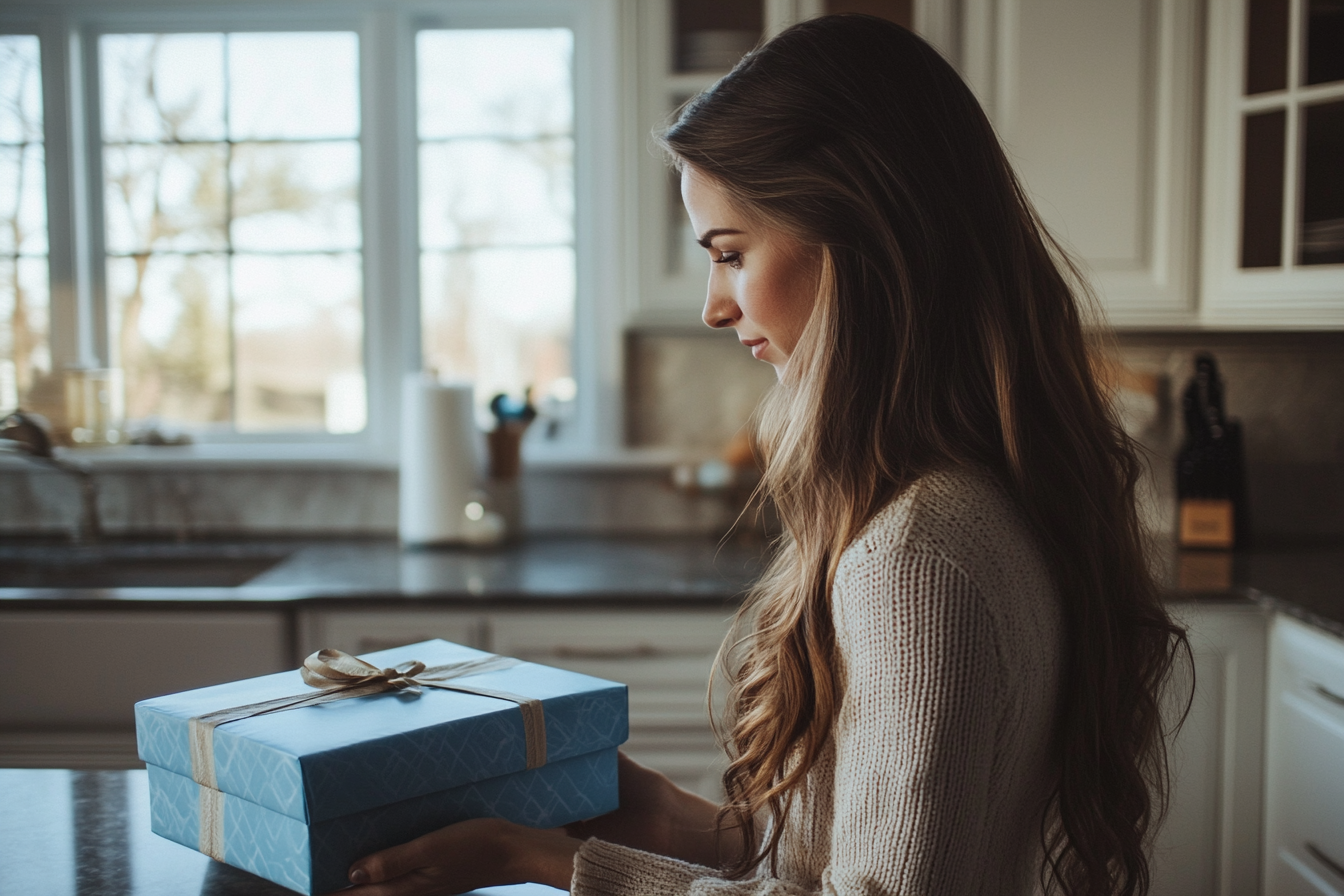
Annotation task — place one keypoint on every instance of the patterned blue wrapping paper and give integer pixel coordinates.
(315, 858)
(325, 762)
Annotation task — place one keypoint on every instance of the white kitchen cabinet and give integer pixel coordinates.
(80, 673)
(1304, 783)
(665, 656)
(1097, 106)
(1273, 241)
(1210, 843)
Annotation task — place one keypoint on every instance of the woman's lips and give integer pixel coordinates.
(757, 346)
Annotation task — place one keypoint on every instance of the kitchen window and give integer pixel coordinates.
(265, 216)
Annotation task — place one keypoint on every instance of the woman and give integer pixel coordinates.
(952, 677)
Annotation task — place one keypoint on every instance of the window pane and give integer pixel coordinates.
(1325, 41)
(320, 78)
(25, 345)
(487, 192)
(162, 197)
(1262, 190)
(497, 208)
(502, 318)
(210, 332)
(495, 83)
(1323, 184)
(21, 93)
(295, 196)
(162, 87)
(169, 319)
(298, 332)
(1266, 45)
(23, 200)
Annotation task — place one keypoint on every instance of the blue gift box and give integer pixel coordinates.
(299, 794)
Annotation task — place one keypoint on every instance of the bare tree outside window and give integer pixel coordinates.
(231, 173)
(25, 351)
(496, 128)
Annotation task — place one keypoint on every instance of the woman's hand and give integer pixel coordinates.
(482, 852)
(658, 816)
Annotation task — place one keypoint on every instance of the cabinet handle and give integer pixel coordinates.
(1328, 694)
(1324, 859)
(640, 652)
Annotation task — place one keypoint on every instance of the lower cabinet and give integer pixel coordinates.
(1210, 842)
(1304, 769)
(82, 672)
(665, 656)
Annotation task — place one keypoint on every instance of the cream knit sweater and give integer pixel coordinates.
(937, 774)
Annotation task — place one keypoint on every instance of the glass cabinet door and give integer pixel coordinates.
(1292, 130)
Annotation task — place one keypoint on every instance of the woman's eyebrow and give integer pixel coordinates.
(710, 234)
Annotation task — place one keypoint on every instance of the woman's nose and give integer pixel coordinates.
(720, 309)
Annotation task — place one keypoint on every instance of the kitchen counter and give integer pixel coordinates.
(86, 833)
(1304, 581)
(543, 570)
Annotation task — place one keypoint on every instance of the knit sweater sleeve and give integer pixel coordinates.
(913, 746)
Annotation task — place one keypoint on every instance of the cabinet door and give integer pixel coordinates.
(665, 657)
(363, 631)
(1304, 782)
(1273, 248)
(1096, 105)
(1210, 843)
(80, 673)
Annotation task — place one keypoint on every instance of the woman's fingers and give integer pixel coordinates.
(482, 852)
(390, 863)
(465, 851)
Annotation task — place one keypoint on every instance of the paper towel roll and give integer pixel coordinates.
(441, 460)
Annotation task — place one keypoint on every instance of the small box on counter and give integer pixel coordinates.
(294, 776)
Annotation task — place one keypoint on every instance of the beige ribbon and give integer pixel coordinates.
(340, 676)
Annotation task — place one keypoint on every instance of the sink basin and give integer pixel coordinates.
(134, 565)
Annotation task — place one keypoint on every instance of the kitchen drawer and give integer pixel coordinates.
(1290, 876)
(1305, 748)
(665, 657)
(85, 669)
(364, 631)
(1310, 768)
(1311, 663)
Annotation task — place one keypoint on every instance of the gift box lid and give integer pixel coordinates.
(320, 762)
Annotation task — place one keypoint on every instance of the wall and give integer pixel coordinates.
(1286, 388)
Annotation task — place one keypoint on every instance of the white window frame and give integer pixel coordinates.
(69, 33)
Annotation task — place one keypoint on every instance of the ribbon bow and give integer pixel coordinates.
(335, 670)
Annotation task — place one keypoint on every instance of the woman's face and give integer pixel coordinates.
(762, 281)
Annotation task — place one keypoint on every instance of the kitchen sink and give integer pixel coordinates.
(135, 564)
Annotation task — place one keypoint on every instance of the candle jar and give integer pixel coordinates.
(95, 405)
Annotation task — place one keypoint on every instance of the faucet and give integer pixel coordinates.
(32, 440)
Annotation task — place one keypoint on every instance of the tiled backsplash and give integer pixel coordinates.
(692, 392)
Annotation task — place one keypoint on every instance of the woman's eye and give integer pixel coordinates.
(732, 259)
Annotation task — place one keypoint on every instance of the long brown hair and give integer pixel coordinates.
(946, 331)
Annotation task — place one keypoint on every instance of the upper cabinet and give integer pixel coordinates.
(684, 46)
(1097, 106)
(1188, 153)
(1274, 164)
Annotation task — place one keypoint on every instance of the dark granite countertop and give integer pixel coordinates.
(589, 569)
(1304, 581)
(87, 832)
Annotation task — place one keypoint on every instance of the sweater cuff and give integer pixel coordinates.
(606, 869)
